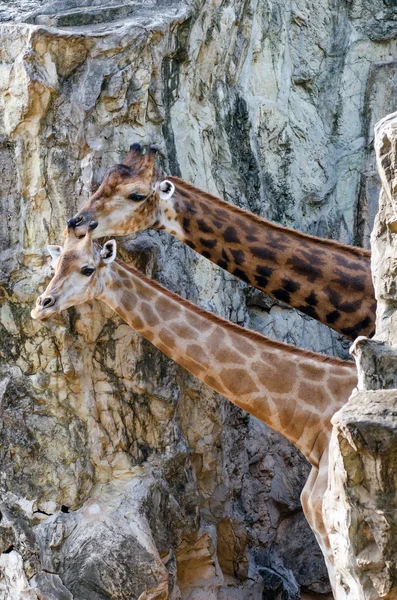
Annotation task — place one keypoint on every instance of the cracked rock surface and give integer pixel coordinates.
(360, 503)
(121, 475)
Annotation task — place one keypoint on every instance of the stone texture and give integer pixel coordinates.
(376, 364)
(269, 105)
(361, 500)
(360, 504)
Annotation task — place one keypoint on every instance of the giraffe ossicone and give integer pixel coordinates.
(327, 281)
(242, 365)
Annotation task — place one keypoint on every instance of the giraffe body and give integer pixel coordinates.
(294, 391)
(326, 280)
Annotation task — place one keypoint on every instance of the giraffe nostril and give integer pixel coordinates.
(47, 302)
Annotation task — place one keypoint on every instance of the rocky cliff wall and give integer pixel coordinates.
(360, 503)
(120, 472)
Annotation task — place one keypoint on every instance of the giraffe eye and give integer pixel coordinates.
(136, 197)
(87, 271)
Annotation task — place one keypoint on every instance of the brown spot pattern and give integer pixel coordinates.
(306, 388)
(270, 377)
(196, 351)
(325, 280)
(236, 381)
(311, 372)
(149, 315)
(227, 355)
(167, 338)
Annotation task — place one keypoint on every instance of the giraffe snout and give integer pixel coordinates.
(80, 224)
(40, 311)
(76, 221)
(46, 301)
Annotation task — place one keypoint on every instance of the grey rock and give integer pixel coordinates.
(50, 587)
(105, 549)
(360, 504)
(269, 106)
(361, 499)
(376, 364)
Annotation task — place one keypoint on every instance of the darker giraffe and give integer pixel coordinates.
(326, 280)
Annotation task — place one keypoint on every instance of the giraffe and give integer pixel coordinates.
(326, 280)
(294, 391)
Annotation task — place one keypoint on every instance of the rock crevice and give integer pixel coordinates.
(269, 106)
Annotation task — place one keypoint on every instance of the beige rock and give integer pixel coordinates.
(360, 506)
(265, 104)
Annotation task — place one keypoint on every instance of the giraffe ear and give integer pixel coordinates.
(55, 252)
(108, 252)
(167, 188)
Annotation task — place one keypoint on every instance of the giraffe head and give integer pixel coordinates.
(127, 199)
(79, 273)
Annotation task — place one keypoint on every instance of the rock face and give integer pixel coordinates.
(360, 504)
(121, 475)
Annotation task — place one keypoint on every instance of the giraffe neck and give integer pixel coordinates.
(293, 391)
(328, 281)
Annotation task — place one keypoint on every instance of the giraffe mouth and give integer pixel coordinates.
(39, 313)
(79, 221)
(79, 225)
(52, 316)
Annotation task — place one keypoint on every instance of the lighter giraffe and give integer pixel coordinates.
(295, 392)
(326, 280)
